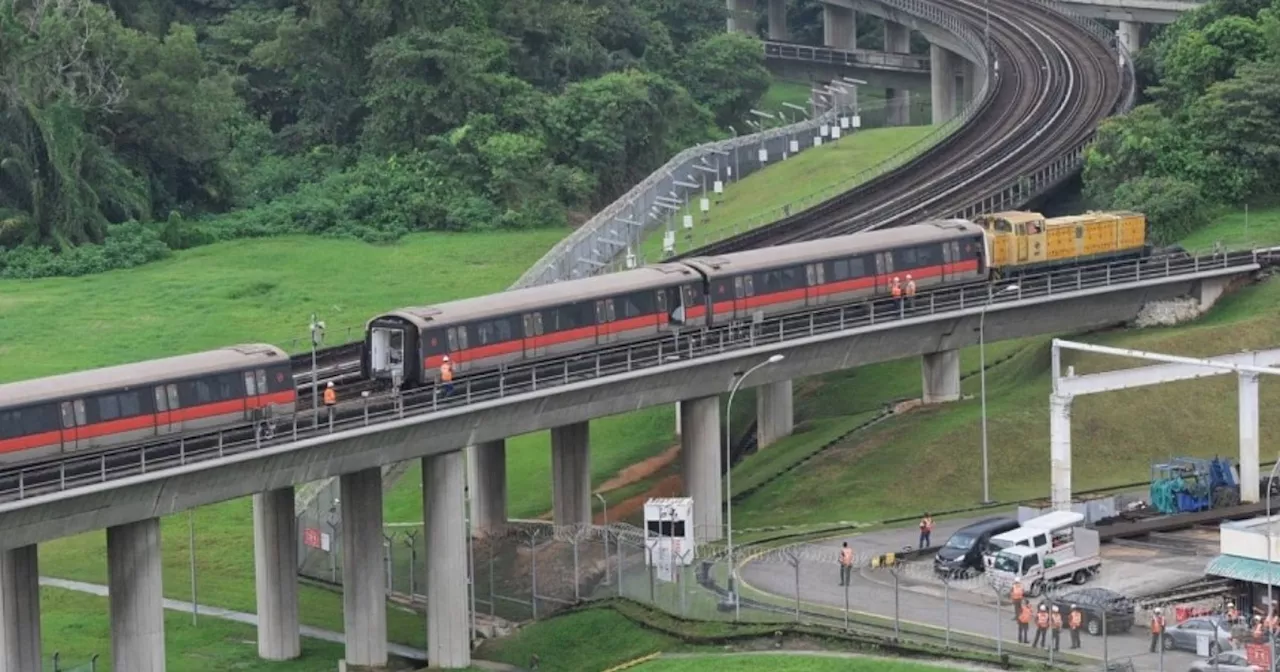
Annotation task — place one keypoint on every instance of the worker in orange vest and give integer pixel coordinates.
(1042, 627)
(1056, 622)
(446, 375)
(1233, 614)
(1074, 622)
(926, 529)
(911, 287)
(897, 291)
(1016, 594)
(330, 395)
(1024, 621)
(1257, 628)
(846, 563)
(1157, 629)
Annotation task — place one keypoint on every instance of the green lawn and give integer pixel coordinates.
(781, 663)
(586, 641)
(1236, 230)
(806, 178)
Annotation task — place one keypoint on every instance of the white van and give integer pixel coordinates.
(1053, 534)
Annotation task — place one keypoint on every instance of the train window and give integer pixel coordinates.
(905, 258)
(858, 267)
(1003, 226)
(462, 338)
(130, 404)
(809, 275)
(108, 407)
(1034, 228)
(250, 384)
(537, 324)
(748, 285)
(68, 417)
(10, 425)
(433, 342)
(1079, 232)
(600, 312)
(162, 402)
(790, 278)
(262, 380)
(928, 255)
(609, 311)
(172, 391)
(821, 271)
(81, 418)
(640, 303)
(839, 270)
(453, 340)
(661, 298)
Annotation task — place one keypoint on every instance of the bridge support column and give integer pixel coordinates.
(1060, 451)
(839, 27)
(275, 562)
(700, 452)
(778, 20)
(897, 40)
(741, 16)
(487, 469)
(20, 610)
(940, 374)
(1248, 437)
(571, 474)
(1129, 35)
(775, 413)
(136, 593)
(443, 509)
(968, 82)
(364, 578)
(942, 83)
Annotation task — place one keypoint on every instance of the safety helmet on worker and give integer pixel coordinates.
(908, 276)
(446, 358)
(1074, 606)
(1055, 608)
(330, 384)
(1042, 607)
(1157, 610)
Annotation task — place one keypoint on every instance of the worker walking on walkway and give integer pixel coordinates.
(1056, 622)
(926, 529)
(1024, 622)
(846, 563)
(446, 375)
(897, 292)
(1157, 630)
(330, 399)
(911, 291)
(1075, 622)
(1042, 628)
(1016, 595)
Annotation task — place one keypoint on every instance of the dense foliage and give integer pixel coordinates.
(1208, 133)
(131, 127)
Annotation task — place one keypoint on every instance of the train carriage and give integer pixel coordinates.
(531, 323)
(1022, 241)
(118, 405)
(856, 267)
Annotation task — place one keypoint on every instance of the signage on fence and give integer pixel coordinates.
(763, 154)
(835, 133)
(1259, 655)
(856, 121)
(844, 122)
(718, 187)
(705, 203)
(824, 130)
(311, 537)
(795, 146)
(326, 542)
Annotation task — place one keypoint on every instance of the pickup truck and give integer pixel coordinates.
(1036, 571)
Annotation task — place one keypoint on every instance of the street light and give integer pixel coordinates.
(728, 472)
(1271, 602)
(982, 374)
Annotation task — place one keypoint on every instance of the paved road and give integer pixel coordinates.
(921, 595)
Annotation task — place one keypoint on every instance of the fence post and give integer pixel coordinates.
(846, 605)
(621, 589)
(897, 621)
(946, 604)
(533, 579)
(411, 539)
(577, 578)
(794, 559)
(493, 599)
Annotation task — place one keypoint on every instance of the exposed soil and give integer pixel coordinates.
(671, 486)
(640, 470)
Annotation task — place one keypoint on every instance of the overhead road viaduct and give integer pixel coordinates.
(693, 370)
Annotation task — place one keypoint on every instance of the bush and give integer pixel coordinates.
(1174, 207)
(126, 246)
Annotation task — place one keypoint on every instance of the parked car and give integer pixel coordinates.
(962, 554)
(1227, 661)
(1184, 635)
(1092, 603)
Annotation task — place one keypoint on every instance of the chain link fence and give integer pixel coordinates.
(56, 663)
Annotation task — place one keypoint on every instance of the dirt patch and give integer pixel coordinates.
(640, 470)
(671, 486)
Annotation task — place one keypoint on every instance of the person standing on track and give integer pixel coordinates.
(1075, 621)
(446, 375)
(846, 564)
(926, 530)
(330, 399)
(1024, 622)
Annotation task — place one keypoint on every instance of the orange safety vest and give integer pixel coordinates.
(446, 372)
(1042, 620)
(1076, 620)
(1057, 621)
(846, 556)
(1016, 592)
(1024, 616)
(911, 288)
(897, 290)
(330, 396)
(1157, 625)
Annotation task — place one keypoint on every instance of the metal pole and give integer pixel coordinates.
(946, 602)
(999, 627)
(1105, 657)
(846, 605)
(533, 577)
(982, 375)
(191, 546)
(605, 504)
(897, 623)
(1271, 600)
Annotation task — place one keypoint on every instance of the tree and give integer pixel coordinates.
(726, 74)
(1174, 207)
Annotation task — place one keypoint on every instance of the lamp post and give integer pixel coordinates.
(728, 471)
(1271, 603)
(982, 375)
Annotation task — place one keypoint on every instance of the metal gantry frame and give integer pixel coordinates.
(1248, 366)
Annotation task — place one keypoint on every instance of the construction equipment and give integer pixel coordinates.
(1188, 484)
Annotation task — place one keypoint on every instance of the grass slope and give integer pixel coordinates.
(760, 197)
(781, 663)
(592, 639)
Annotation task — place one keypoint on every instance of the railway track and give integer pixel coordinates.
(1054, 83)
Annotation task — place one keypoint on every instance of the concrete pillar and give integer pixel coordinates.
(136, 593)
(839, 29)
(20, 610)
(775, 413)
(487, 469)
(940, 375)
(677, 419)
(1248, 438)
(968, 82)
(364, 578)
(1060, 451)
(778, 20)
(897, 40)
(1210, 290)
(571, 474)
(701, 449)
(741, 16)
(1129, 34)
(942, 83)
(275, 563)
(443, 510)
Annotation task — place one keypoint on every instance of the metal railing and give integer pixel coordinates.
(858, 58)
(24, 482)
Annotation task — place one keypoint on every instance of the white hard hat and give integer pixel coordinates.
(331, 383)
(1073, 606)
(446, 358)
(908, 276)
(1157, 610)
(1055, 607)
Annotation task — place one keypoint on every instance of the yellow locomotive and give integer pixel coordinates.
(1018, 240)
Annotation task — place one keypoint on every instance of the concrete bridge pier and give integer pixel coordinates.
(487, 475)
(839, 27)
(275, 561)
(700, 456)
(942, 83)
(940, 374)
(1248, 411)
(897, 40)
(1129, 34)
(136, 593)
(741, 16)
(364, 576)
(775, 413)
(778, 20)
(968, 82)
(20, 610)
(571, 474)
(444, 511)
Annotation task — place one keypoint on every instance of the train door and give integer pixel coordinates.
(163, 418)
(73, 419)
(815, 275)
(948, 258)
(533, 346)
(457, 339)
(386, 352)
(1021, 234)
(605, 315)
(884, 272)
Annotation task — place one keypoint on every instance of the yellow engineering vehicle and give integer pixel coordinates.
(1018, 241)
